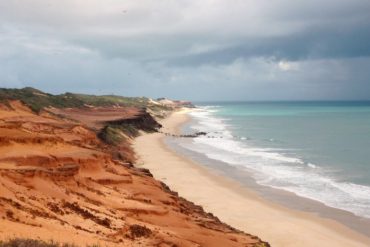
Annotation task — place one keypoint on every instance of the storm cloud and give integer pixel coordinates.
(197, 50)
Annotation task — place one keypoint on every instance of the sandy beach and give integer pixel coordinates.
(234, 204)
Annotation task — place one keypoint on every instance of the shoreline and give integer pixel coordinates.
(278, 196)
(245, 209)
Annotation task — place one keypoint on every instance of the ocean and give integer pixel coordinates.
(316, 150)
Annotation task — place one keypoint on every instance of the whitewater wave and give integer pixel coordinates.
(274, 168)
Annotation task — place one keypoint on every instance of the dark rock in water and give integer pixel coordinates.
(201, 133)
(187, 135)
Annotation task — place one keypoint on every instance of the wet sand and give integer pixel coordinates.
(233, 203)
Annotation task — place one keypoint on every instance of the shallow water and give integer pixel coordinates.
(317, 150)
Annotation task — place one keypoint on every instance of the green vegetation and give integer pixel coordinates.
(113, 134)
(37, 100)
(22, 242)
(128, 129)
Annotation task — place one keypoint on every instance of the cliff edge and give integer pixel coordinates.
(67, 173)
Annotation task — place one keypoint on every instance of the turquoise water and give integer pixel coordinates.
(317, 150)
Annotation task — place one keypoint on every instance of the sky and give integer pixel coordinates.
(189, 49)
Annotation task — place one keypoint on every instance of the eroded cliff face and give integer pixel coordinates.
(59, 181)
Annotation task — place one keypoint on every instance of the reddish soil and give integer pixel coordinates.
(59, 181)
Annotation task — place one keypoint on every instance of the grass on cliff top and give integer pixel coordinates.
(37, 100)
(23, 242)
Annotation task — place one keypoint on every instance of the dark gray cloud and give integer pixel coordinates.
(211, 49)
(312, 43)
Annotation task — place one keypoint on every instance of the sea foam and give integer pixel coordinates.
(272, 167)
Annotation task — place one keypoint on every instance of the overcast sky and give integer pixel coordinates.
(189, 49)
